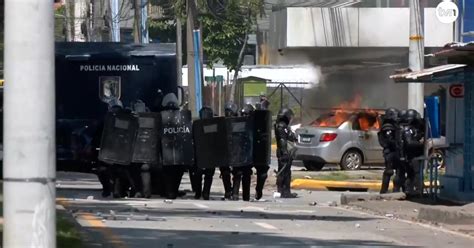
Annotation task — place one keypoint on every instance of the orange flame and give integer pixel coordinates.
(344, 111)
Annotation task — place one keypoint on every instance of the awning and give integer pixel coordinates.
(438, 74)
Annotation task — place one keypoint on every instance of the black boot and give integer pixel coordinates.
(236, 186)
(146, 180)
(246, 178)
(261, 178)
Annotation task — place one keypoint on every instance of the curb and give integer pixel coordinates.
(331, 185)
(325, 185)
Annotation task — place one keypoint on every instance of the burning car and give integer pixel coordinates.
(347, 138)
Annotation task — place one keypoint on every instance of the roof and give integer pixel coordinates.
(429, 74)
(456, 49)
(120, 49)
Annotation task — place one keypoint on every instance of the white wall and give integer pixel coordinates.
(353, 27)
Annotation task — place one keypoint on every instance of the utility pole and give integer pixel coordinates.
(144, 22)
(179, 51)
(114, 21)
(137, 23)
(193, 58)
(29, 167)
(416, 57)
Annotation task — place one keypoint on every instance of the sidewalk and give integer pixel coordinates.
(459, 219)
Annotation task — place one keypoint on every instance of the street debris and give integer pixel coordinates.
(167, 201)
(357, 225)
(389, 215)
(332, 204)
(276, 195)
(415, 210)
(313, 203)
(307, 177)
(90, 197)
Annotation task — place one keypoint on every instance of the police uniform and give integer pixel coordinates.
(413, 133)
(196, 174)
(387, 137)
(230, 110)
(242, 174)
(283, 134)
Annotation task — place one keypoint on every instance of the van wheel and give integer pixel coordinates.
(352, 160)
(313, 166)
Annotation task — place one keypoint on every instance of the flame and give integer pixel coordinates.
(344, 110)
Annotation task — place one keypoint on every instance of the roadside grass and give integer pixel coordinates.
(67, 235)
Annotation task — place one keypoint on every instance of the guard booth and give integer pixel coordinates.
(458, 182)
(249, 90)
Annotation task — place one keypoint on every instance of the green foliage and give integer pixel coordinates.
(165, 29)
(222, 40)
(67, 234)
(225, 29)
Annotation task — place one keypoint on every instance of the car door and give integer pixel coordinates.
(366, 127)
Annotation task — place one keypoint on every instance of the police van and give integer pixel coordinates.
(88, 75)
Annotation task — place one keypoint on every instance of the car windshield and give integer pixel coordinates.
(332, 120)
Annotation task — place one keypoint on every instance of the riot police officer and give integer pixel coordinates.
(172, 174)
(230, 110)
(141, 173)
(242, 174)
(198, 173)
(283, 134)
(104, 173)
(387, 137)
(412, 135)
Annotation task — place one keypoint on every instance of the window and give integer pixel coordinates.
(109, 88)
(366, 122)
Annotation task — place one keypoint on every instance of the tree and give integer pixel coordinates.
(226, 25)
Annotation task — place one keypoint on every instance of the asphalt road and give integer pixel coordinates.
(271, 223)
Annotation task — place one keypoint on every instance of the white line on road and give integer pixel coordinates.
(199, 205)
(265, 225)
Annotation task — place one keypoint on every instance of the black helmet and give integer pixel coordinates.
(230, 109)
(412, 115)
(206, 113)
(391, 114)
(170, 102)
(285, 114)
(402, 115)
(247, 109)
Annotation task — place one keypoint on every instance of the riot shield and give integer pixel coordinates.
(240, 141)
(146, 141)
(210, 142)
(262, 137)
(118, 137)
(176, 138)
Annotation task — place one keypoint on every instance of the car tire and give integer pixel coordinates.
(352, 160)
(313, 165)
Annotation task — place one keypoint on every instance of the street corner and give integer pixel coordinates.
(329, 185)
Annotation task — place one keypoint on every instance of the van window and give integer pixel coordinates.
(109, 88)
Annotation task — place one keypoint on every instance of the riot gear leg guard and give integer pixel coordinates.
(197, 183)
(225, 174)
(237, 178)
(146, 180)
(104, 177)
(246, 179)
(262, 174)
(208, 176)
(400, 178)
(388, 172)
